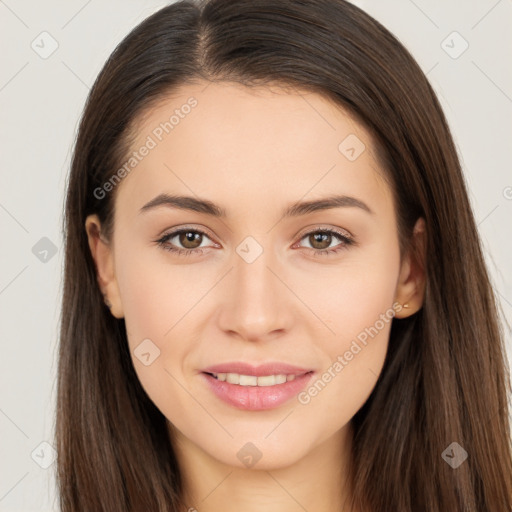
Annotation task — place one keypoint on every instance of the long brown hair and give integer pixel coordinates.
(445, 377)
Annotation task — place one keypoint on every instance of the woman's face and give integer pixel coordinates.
(260, 286)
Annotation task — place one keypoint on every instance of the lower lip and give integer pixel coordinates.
(257, 398)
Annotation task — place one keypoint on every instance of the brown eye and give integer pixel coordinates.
(320, 240)
(184, 241)
(190, 239)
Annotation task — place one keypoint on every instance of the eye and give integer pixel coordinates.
(190, 239)
(320, 241)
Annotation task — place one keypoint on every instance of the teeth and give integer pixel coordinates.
(248, 380)
(232, 378)
(252, 380)
(267, 380)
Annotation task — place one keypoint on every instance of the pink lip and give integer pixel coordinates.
(257, 398)
(258, 371)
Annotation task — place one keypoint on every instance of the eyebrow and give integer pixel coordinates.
(294, 210)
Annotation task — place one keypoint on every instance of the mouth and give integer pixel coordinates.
(256, 388)
(254, 380)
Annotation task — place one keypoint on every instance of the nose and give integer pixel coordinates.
(257, 304)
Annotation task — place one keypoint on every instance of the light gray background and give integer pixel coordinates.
(41, 101)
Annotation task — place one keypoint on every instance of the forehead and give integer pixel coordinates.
(257, 118)
(272, 142)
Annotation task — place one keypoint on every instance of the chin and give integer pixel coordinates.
(259, 454)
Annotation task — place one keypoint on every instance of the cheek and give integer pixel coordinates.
(353, 358)
(151, 306)
(162, 303)
(147, 303)
(155, 304)
(156, 295)
(351, 296)
(357, 307)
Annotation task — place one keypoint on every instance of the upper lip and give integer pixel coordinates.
(273, 368)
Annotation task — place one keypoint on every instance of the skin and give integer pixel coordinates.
(254, 152)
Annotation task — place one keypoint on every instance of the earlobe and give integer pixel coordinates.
(410, 291)
(103, 256)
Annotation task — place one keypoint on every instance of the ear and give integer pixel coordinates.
(102, 253)
(410, 290)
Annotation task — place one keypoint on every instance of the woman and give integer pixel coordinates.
(274, 294)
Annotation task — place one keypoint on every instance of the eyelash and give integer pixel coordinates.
(346, 242)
